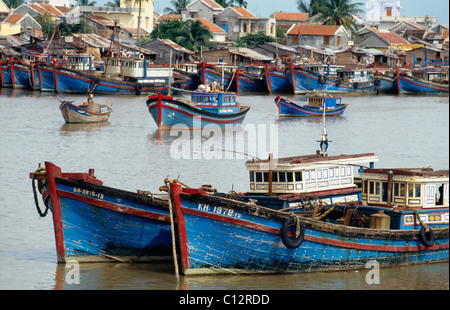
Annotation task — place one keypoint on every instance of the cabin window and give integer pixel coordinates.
(252, 176)
(440, 194)
(290, 177)
(414, 190)
(374, 188)
(282, 177)
(266, 176)
(399, 189)
(258, 176)
(275, 176)
(298, 176)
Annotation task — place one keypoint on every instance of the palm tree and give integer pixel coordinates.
(311, 7)
(192, 35)
(177, 5)
(86, 3)
(12, 4)
(113, 3)
(139, 16)
(340, 12)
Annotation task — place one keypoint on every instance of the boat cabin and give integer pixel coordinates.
(320, 100)
(355, 75)
(325, 69)
(80, 62)
(137, 70)
(431, 76)
(415, 188)
(305, 174)
(218, 103)
(29, 57)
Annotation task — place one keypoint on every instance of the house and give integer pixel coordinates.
(238, 22)
(236, 56)
(207, 9)
(41, 9)
(318, 36)
(382, 40)
(285, 20)
(162, 47)
(126, 15)
(219, 35)
(425, 56)
(20, 23)
(385, 14)
(4, 10)
(167, 17)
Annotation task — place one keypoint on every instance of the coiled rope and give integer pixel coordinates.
(36, 200)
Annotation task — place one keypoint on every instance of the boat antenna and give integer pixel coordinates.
(324, 137)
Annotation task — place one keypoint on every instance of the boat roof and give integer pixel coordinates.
(312, 160)
(425, 173)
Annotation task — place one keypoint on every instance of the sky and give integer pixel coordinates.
(264, 8)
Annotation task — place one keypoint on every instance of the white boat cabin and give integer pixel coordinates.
(355, 75)
(416, 188)
(305, 174)
(431, 76)
(319, 100)
(80, 62)
(325, 69)
(137, 69)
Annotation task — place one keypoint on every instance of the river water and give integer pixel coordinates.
(127, 152)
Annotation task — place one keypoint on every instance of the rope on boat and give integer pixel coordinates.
(36, 200)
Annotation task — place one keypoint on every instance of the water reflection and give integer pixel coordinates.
(67, 128)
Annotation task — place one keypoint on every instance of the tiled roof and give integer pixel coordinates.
(212, 4)
(100, 20)
(291, 16)
(168, 17)
(243, 12)
(313, 30)
(14, 18)
(210, 26)
(51, 9)
(391, 37)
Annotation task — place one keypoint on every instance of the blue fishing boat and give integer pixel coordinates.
(223, 74)
(47, 81)
(386, 85)
(221, 235)
(20, 73)
(189, 72)
(277, 80)
(318, 104)
(339, 80)
(5, 74)
(88, 112)
(250, 82)
(219, 108)
(423, 82)
(96, 223)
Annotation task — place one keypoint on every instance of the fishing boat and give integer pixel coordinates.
(224, 74)
(388, 216)
(189, 72)
(5, 74)
(96, 223)
(423, 82)
(317, 105)
(204, 108)
(277, 80)
(247, 82)
(336, 80)
(88, 112)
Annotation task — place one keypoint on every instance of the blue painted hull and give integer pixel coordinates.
(227, 82)
(22, 76)
(387, 85)
(247, 83)
(305, 81)
(288, 108)
(35, 81)
(170, 113)
(415, 86)
(221, 236)
(97, 223)
(6, 78)
(277, 81)
(47, 78)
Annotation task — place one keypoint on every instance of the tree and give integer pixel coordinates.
(340, 12)
(86, 2)
(113, 3)
(177, 5)
(227, 3)
(139, 16)
(311, 7)
(12, 4)
(253, 39)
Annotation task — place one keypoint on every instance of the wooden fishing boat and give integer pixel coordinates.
(224, 74)
(277, 80)
(204, 108)
(317, 105)
(222, 235)
(333, 79)
(88, 112)
(423, 82)
(96, 223)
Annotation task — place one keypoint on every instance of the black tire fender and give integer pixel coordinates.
(427, 238)
(287, 241)
(322, 79)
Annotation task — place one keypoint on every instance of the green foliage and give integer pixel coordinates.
(339, 12)
(177, 5)
(227, 3)
(12, 4)
(189, 34)
(254, 39)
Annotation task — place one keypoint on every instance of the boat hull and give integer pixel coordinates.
(304, 81)
(247, 83)
(209, 75)
(47, 79)
(406, 84)
(288, 108)
(169, 113)
(76, 114)
(218, 235)
(95, 223)
(5, 75)
(22, 76)
(277, 81)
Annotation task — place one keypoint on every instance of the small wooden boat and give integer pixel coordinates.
(314, 107)
(423, 82)
(219, 108)
(96, 223)
(88, 112)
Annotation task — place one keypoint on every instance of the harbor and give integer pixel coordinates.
(128, 151)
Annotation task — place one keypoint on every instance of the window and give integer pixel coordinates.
(282, 177)
(298, 176)
(414, 190)
(389, 11)
(399, 189)
(290, 176)
(258, 176)
(374, 188)
(326, 40)
(252, 176)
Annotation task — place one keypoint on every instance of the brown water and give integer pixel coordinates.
(128, 153)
